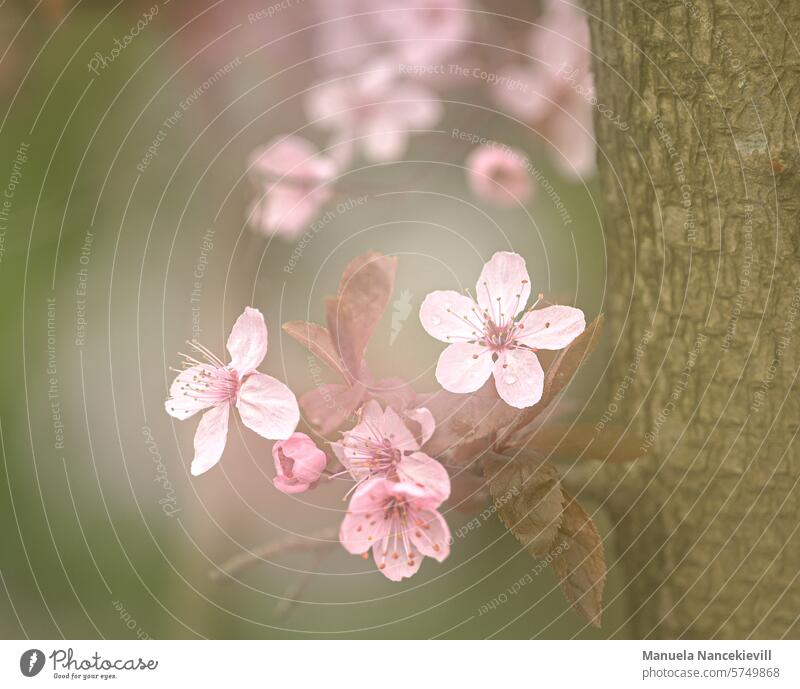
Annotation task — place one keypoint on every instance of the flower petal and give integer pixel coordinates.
(426, 421)
(268, 407)
(350, 450)
(553, 327)
(504, 287)
(289, 486)
(370, 420)
(395, 562)
(364, 524)
(210, 438)
(519, 378)
(450, 317)
(431, 535)
(247, 343)
(464, 367)
(427, 473)
(181, 403)
(397, 432)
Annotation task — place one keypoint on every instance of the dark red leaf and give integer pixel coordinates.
(318, 341)
(527, 495)
(364, 292)
(579, 562)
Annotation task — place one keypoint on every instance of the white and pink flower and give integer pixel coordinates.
(293, 180)
(489, 337)
(399, 521)
(381, 445)
(265, 405)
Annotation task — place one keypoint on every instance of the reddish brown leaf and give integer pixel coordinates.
(318, 341)
(465, 419)
(392, 392)
(583, 441)
(469, 492)
(329, 406)
(560, 373)
(331, 318)
(364, 292)
(579, 562)
(527, 495)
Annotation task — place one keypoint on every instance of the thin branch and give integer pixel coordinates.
(296, 588)
(325, 538)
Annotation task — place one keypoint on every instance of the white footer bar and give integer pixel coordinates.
(331, 664)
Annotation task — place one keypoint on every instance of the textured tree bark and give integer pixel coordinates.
(699, 175)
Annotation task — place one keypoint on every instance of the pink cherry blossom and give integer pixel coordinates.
(399, 521)
(265, 404)
(352, 33)
(499, 175)
(381, 445)
(554, 91)
(293, 180)
(374, 111)
(299, 463)
(488, 338)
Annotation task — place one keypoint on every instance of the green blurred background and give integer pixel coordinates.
(89, 548)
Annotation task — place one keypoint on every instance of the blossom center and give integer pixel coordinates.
(398, 513)
(373, 455)
(212, 382)
(213, 385)
(498, 337)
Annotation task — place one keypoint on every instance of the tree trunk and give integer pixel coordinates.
(698, 101)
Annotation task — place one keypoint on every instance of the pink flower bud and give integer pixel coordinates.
(298, 463)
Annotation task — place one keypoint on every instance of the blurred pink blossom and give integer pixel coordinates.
(425, 31)
(553, 91)
(375, 111)
(399, 521)
(293, 180)
(488, 340)
(355, 32)
(265, 405)
(299, 463)
(499, 175)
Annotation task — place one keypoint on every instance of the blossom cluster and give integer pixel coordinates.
(398, 487)
(415, 63)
